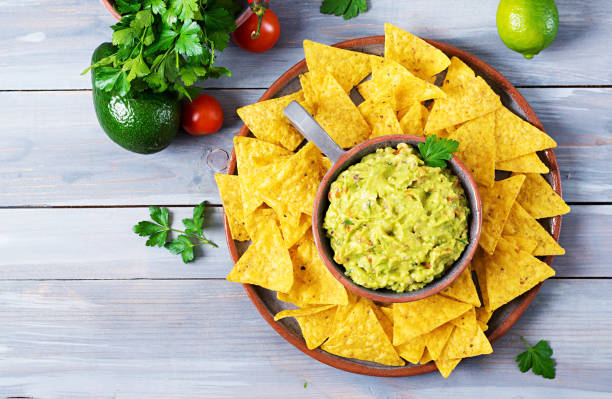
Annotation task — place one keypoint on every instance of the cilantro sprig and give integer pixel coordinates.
(538, 358)
(347, 8)
(166, 45)
(436, 152)
(159, 228)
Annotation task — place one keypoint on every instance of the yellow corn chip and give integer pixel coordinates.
(521, 223)
(511, 272)
(412, 351)
(515, 137)
(266, 262)
(479, 266)
(526, 244)
(266, 121)
(256, 222)
(466, 343)
(528, 163)
(252, 155)
(415, 54)
(315, 323)
(229, 190)
(361, 336)
(477, 147)
(467, 97)
(413, 120)
(467, 321)
(310, 94)
(380, 117)
(412, 319)
(463, 289)
(436, 339)
(372, 91)
(388, 75)
(426, 358)
(539, 199)
(338, 115)
(313, 284)
(445, 367)
(292, 225)
(496, 204)
(482, 317)
(385, 322)
(347, 67)
(289, 186)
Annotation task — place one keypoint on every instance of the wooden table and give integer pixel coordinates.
(87, 311)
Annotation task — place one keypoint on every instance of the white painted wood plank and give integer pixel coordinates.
(99, 244)
(185, 339)
(53, 152)
(46, 44)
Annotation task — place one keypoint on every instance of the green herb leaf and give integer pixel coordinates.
(112, 79)
(146, 228)
(538, 358)
(348, 8)
(157, 239)
(436, 152)
(160, 215)
(188, 42)
(185, 9)
(182, 245)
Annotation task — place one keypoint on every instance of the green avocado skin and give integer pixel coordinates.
(142, 122)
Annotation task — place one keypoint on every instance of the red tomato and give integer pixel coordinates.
(202, 115)
(269, 33)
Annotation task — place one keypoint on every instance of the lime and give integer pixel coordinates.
(527, 26)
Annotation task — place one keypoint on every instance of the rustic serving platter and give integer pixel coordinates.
(503, 318)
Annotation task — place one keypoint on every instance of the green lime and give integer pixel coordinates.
(527, 26)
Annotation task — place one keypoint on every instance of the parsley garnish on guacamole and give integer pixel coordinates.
(394, 222)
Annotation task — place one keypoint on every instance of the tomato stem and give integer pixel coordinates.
(259, 8)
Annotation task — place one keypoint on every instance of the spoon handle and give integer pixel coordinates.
(305, 124)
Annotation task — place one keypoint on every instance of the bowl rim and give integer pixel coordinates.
(493, 335)
(432, 288)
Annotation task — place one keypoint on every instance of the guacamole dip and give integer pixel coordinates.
(395, 223)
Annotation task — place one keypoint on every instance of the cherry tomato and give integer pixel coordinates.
(202, 115)
(269, 33)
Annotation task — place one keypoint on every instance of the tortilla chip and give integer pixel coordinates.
(466, 343)
(467, 97)
(315, 323)
(482, 317)
(463, 289)
(435, 340)
(372, 91)
(290, 186)
(255, 222)
(511, 272)
(385, 322)
(528, 163)
(407, 89)
(415, 54)
(266, 121)
(338, 115)
(252, 155)
(310, 94)
(411, 351)
(526, 244)
(426, 358)
(445, 367)
(361, 336)
(479, 266)
(466, 321)
(539, 199)
(412, 319)
(515, 137)
(313, 284)
(229, 190)
(347, 67)
(292, 225)
(266, 262)
(477, 147)
(520, 223)
(414, 119)
(380, 117)
(496, 204)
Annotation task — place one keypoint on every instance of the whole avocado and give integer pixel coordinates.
(143, 122)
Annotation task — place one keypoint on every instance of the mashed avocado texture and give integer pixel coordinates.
(395, 223)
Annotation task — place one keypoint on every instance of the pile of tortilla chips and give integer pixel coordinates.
(270, 200)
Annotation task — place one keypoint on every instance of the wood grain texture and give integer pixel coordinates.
(59, 155)
(185, 339)
(62, 36)
(99, 244)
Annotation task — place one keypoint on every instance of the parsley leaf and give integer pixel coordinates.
(348, 8)
(158, 230)
(538, 358)
(436, 152)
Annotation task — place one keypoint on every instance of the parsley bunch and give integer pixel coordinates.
(166, 45)
(347, 8)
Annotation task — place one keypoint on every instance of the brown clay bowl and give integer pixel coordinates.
(342, 160)
(503, 319)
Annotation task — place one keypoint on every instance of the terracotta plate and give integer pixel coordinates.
(265, 301)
